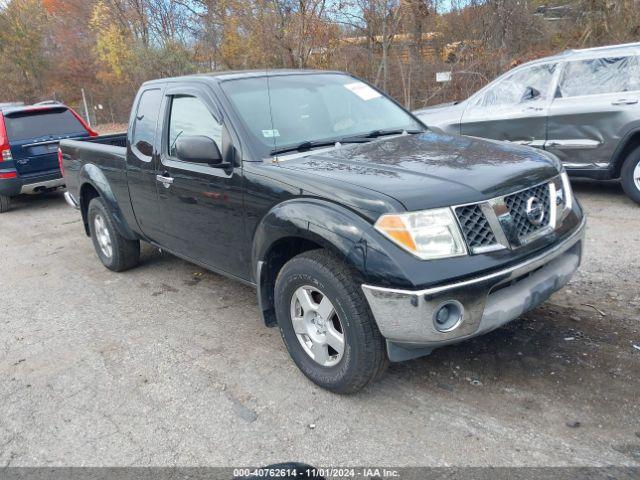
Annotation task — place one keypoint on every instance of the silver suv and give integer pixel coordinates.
(582, 105)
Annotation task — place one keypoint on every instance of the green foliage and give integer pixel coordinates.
(53, 48)
(113, 44)
(169, 60)
(23, 56)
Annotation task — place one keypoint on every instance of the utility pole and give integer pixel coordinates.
(86, 109)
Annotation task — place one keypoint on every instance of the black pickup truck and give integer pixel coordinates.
(369, 237)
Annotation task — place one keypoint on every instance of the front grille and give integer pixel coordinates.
(475, 227)
(517, 205)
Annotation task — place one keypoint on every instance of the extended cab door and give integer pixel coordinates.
(514, 108)
(200, 205)
(597, 102)
(142, 160)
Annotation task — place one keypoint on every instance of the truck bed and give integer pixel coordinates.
(108, 153)
(86, 148)
(115, 139)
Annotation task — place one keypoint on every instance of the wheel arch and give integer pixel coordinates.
(296, 226)
(87, 193)
(630, 142)
(93, 183)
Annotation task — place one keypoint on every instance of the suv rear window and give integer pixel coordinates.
(35, 124)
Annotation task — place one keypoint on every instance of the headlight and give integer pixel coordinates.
(428, 234)
(566, 191)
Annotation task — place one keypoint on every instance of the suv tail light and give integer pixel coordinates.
(5, 150)
(60, 161)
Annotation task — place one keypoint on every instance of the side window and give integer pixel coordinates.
(598, 76)
(190, 116)
(530, 84)
(144, 128)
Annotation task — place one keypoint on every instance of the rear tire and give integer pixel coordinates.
(631, 175)
(361, 357)
(115, 252)
(5, 203)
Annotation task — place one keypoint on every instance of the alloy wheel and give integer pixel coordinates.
(103, 236)
(317, 326)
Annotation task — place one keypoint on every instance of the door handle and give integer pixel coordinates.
(165, 179)
(625, 101)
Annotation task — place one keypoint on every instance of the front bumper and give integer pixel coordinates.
(406, 318)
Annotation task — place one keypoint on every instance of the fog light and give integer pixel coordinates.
(448, 316)
(442, 315)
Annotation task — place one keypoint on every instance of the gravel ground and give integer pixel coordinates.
(168, 364)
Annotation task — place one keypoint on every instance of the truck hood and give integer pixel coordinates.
(430, 170)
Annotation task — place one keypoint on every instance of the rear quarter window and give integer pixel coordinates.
(144, 128)
(33, 125)
(600, 76)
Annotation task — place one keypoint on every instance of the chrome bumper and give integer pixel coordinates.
(31, 188)
(406, 317)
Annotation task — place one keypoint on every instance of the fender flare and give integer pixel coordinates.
(328, 224)
(92, 175)
(334, 227)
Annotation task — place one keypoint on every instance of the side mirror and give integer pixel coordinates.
(530, 93)
(198, 149)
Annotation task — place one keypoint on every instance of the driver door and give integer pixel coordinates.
(201, 203)
(514, 108)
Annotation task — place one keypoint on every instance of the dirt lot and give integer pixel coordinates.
(169, 365)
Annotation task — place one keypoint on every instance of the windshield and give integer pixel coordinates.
(41, 123)
(288, 110)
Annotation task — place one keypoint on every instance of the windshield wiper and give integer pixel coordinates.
(308, 145)
(303, 146)
(360, 138)
(382, 133)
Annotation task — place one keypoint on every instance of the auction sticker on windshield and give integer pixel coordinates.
(270, 133)
(364, 91)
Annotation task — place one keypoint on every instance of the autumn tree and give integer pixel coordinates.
(55, 48)
(23, 50)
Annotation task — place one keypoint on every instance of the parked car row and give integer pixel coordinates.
(582, 106)
(368, 237)
(29, 137)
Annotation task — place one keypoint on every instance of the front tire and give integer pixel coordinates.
(631, 175)
(326, 324)
(5, 203)
(115, 252)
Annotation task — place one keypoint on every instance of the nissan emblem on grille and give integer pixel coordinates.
(510, 221)
(535, 211)
(530, 210)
